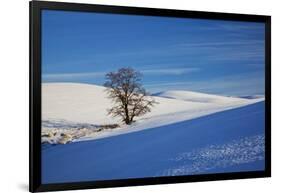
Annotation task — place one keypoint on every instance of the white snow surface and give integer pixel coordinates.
(86, 104)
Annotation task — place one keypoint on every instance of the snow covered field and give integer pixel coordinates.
(186, 133)
(227, 141)
(75, 112)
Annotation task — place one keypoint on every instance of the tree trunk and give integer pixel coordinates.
(127, 119)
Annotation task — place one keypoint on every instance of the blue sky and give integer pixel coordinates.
(211, 56)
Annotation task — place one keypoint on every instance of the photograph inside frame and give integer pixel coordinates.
(130, 96)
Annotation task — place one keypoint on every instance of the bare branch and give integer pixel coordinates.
(126, 91)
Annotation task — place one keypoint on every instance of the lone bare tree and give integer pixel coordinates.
(130, 98)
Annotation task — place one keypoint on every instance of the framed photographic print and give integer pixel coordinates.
(125, 96)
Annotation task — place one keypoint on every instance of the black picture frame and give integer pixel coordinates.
(35, 184)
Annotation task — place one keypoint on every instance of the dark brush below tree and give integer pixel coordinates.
(130, 99)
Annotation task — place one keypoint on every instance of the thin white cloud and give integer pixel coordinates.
(86, 75)
(243, 84)
(239, 27)
(232, 27)
(170, 71)
(225, 43)
(71, 76)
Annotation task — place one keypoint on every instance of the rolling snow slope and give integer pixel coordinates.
(203, 98)
(70, 104)
(228, 141)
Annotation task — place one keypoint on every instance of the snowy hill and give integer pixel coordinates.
(84, 106)
(228, 141)
(199, 97)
